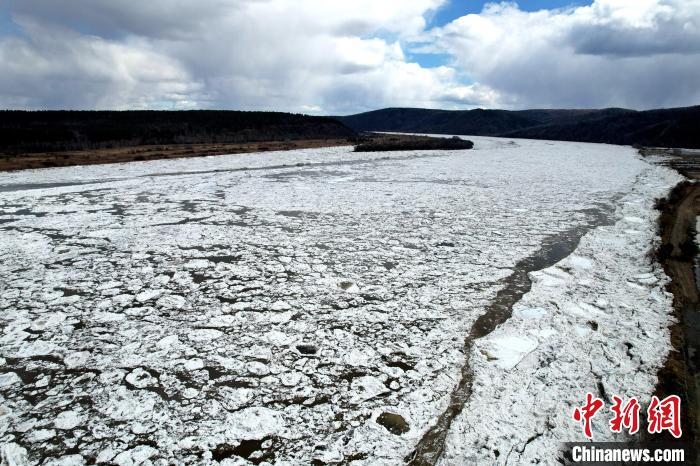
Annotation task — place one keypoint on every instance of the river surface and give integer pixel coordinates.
(291, 307)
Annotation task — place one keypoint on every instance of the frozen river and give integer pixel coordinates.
(312, 306)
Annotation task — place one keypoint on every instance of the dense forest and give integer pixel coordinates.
(51, 131)
(677, 127)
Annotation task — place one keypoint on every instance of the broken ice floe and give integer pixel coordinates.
(167, 311)
(590, 323)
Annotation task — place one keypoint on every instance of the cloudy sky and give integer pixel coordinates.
(340, 57)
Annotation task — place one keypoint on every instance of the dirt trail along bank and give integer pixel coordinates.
(678, 255)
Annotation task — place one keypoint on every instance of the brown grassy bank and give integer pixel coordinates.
(382, 142)
(154, 152)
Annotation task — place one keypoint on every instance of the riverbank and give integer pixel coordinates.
(369, 142)
(677, 253)
(154, 152)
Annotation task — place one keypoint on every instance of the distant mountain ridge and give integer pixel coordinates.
(40, 131)
(675, 127)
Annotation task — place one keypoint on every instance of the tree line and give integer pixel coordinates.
(53, 131)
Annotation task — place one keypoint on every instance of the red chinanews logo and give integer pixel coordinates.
(661, 415)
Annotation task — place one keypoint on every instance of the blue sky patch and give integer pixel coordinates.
(453, 9)
(428, 60)
(7, 26)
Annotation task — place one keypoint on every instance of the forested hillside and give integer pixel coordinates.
(50, 131)
(677, 127)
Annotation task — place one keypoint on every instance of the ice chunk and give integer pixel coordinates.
(365, 388)
(257, 368)
(139, 378)
(580, 262)
(508, 350)
(280, 306)
(278, 338)
(171, 302)
(197, 264)
(67, 460)
(194, 364)
(55, 318)
(550, 278)
(40, 435)
(290, 379)
(148, 295)
(356, 357)
(36, 348)
(254, 423)
(136, 456)
(67, 420)
(530, 313)
(167, 342)
(8, 379)
(122, 404)
(204, 334)
(76, 359)
(106, 317)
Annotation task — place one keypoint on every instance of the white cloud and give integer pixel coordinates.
(58, 68)
(251, 54)
(613, 53)
(339, 57)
